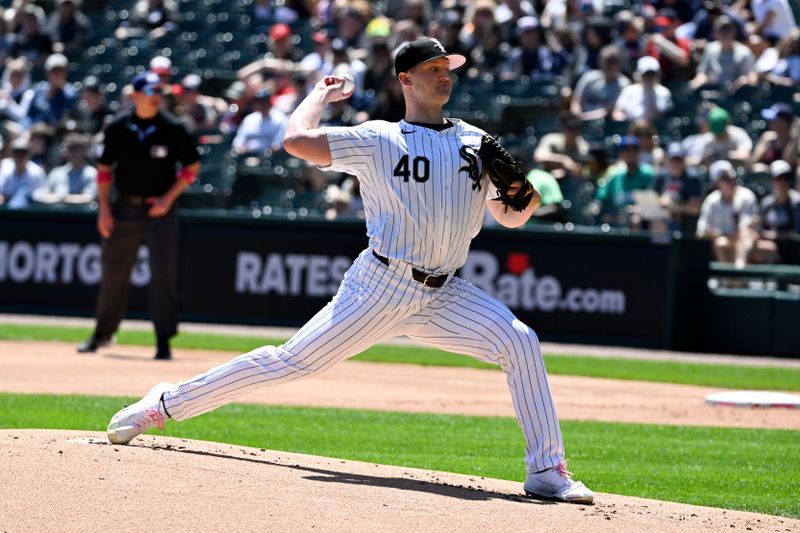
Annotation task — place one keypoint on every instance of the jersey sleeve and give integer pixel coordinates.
(352, 147)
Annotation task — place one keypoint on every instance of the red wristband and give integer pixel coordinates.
(104, 176)
(186, 174)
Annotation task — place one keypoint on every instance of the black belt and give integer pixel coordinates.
(131, 199)
(426, 279)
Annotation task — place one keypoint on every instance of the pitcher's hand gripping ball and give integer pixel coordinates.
(346, 85)
(349, 84)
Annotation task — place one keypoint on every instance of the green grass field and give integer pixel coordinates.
(751, 470)
(712, 375)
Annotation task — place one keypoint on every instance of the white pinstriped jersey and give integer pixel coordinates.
(423, 190)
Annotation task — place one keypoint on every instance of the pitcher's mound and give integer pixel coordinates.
(75, 481)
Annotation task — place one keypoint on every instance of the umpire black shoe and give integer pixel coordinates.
(163, 351)
(94, 344)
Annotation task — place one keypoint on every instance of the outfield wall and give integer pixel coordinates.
(571, 286)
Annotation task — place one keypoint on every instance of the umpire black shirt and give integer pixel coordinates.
(143, 153)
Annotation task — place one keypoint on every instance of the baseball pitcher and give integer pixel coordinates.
(425, 183)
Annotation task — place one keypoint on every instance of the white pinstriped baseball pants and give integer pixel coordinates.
(377, 302)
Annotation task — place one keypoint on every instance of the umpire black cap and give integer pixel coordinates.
(147, 82)
(413, 53)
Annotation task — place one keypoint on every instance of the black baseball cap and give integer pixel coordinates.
(413, 53)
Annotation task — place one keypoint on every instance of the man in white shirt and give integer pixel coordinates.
(598, 90)
(729, 216)
(562, 153)
(647, 98)
(72, 183)
(725, 60)
(19, 176)
(774, 19)
(425, 194)
(262, 129)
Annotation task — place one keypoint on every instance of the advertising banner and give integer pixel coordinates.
(567, 287)
(52, 266)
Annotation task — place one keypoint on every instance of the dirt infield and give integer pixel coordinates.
(162, 484)
(75, 481)
(129, 370)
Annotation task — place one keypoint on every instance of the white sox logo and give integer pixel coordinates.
(468, 154)
(438, 45)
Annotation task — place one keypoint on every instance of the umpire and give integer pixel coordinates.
(140, 157)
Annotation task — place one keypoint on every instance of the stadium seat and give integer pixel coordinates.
(759, 182)
(593, 130)
(616, 128)
(519, 113)
(578, 197)
(781, 93)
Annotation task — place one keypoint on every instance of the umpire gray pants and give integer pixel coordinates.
(132, 228)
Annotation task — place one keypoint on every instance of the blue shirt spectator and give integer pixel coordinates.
(19, 177)
(74, 182)
(53, 99)
(531, 58)
(261, 130)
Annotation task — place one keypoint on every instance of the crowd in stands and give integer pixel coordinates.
(667, 115)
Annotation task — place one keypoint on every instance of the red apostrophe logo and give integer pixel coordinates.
(517, 263)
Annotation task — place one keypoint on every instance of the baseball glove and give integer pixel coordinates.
(504, 170)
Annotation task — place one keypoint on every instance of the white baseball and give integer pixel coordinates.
(349, 84)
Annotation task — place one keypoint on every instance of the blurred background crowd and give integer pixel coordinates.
(660, 115)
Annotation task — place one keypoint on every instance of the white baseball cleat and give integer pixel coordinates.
(557, 483)
(139, 417)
